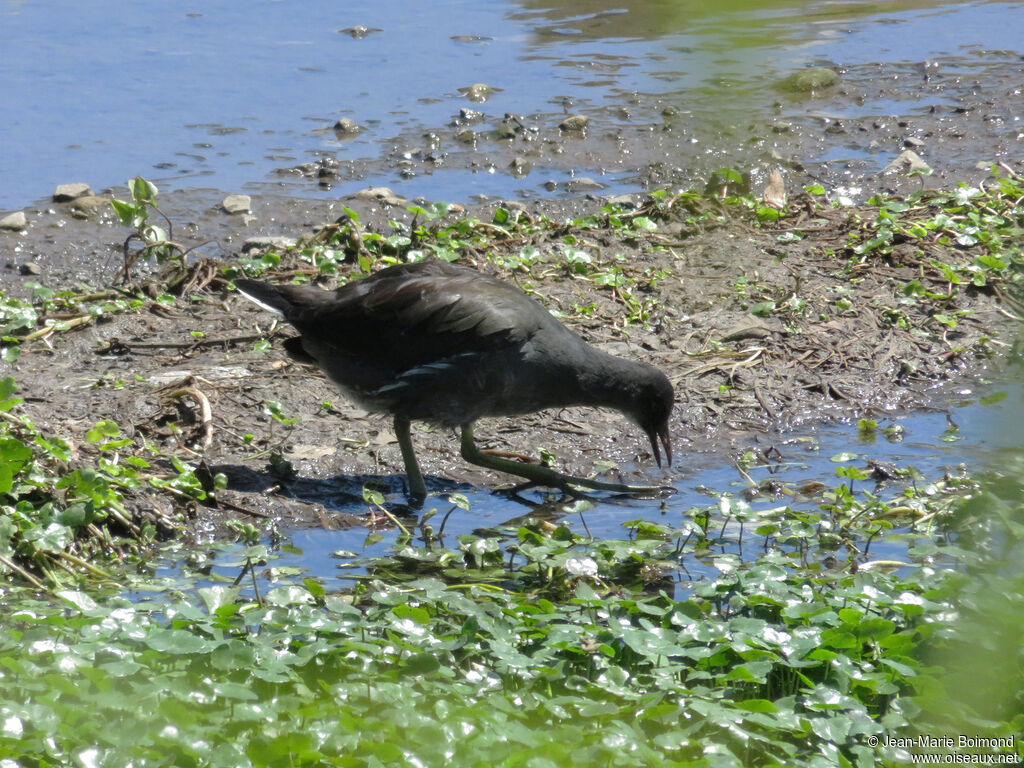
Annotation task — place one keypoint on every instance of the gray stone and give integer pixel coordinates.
(67, 192)
(328, 168)
(358, 32)
(267, 244)
(574, 123)
(477, 92)
(810, 80)
(913, 142)
(583, 183)
(346, 126)
(775, 192)
(16, 220)
(89, 206)
(30, 268)
(381, 195)
(237, 204)
(503, 132)
(909, 160)
(519, 167)
(623, 201)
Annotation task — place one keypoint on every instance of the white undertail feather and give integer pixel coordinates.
(263, 304)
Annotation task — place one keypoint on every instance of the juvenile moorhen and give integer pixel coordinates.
(446, 344)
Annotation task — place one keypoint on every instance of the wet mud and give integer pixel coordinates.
(739, 378)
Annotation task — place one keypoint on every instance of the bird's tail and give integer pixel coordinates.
(264, 294)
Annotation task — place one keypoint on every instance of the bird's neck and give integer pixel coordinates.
(608, 381)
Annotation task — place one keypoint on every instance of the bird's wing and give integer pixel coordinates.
(414, 317)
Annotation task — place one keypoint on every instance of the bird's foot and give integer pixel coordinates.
(509, 455)
(541, 475)
(571, 484)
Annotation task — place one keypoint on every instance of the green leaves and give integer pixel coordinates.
(53, 503)
(135, 213)
(127, 213)
(563, 650)
(275, 410)
(7, 390)
(976, 230)
(419, 665)
(101, 430)
(13, 456)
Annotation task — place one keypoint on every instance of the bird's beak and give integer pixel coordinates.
(661, 433)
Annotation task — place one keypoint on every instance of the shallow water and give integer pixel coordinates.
(971, 436)
(221, 95)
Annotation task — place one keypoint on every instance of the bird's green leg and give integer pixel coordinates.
(417, 487)
(542, 475)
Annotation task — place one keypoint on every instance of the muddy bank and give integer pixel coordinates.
(856, 133)
(958, 114)
(757, 331)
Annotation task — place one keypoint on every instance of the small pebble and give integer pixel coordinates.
(574, 123)
(15, 221)
(237, 203)
(347, 127)
(68, 192)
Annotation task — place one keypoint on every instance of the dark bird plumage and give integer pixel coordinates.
(446, 344)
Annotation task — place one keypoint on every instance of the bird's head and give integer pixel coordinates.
(650, 409)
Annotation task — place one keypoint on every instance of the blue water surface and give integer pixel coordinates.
(222, 94)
